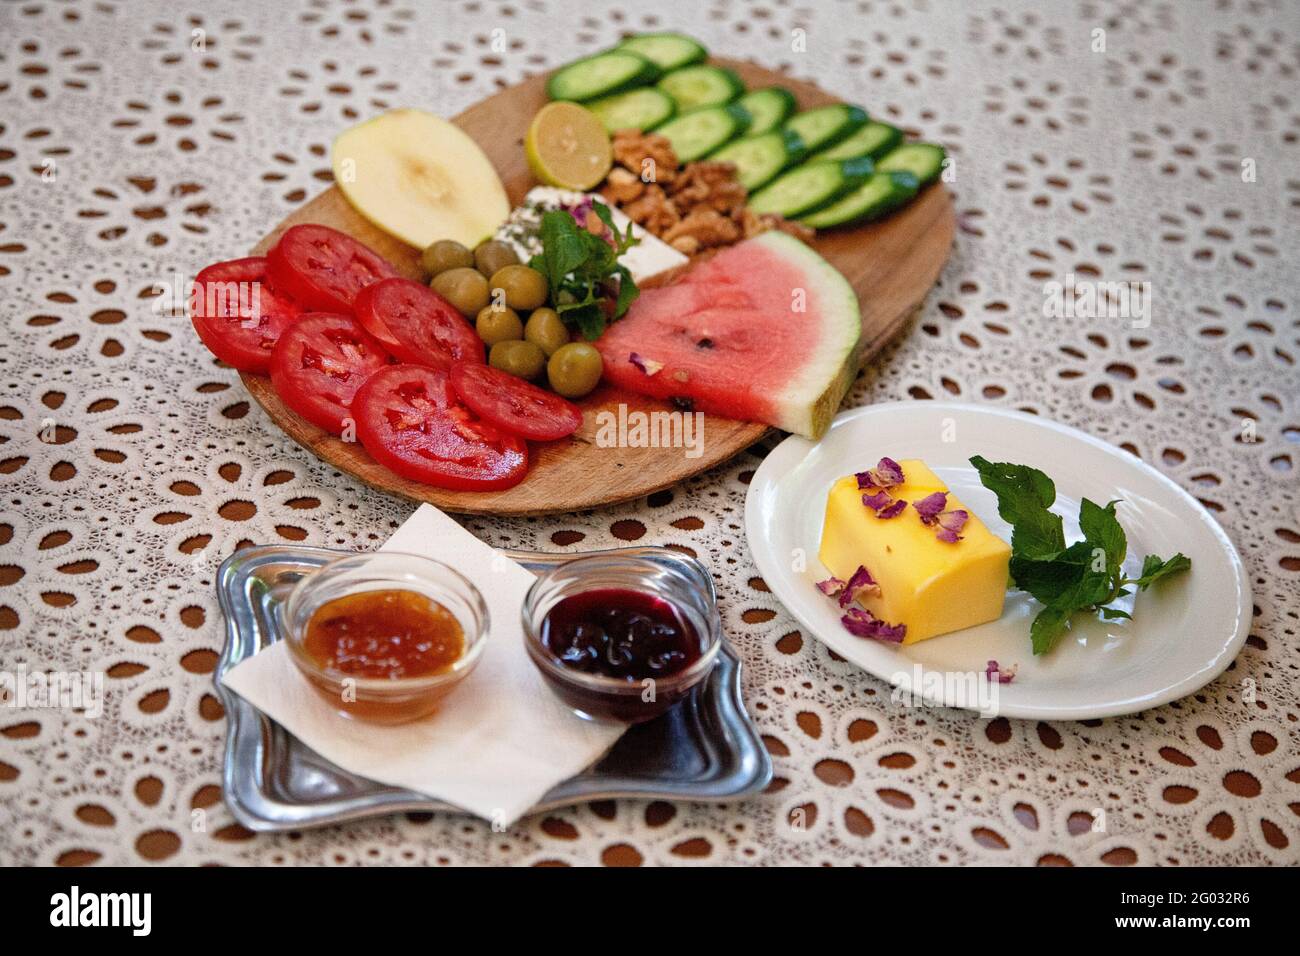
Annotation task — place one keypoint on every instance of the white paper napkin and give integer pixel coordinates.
(497, 743)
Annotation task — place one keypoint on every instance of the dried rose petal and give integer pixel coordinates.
(648, 366)
(886, 474)
(831, 586)
(931, 506)
(950, 525)
(995, 672)
(893, 510)
(860, 581)
(954, 520)
(861, 623)
(883, 505)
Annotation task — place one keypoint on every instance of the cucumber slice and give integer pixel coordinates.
(922, 160)
(643, 109)
(877, 197)
(827, 125)
(811, 186)
(700, 132)
(698, 86)
(770, 107)
(668, 51)
(600, 75)
(758, 159)
(874, 140)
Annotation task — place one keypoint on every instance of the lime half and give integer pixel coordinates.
(567, 146)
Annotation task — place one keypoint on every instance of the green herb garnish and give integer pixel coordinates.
(587, 281)
(1084, 576)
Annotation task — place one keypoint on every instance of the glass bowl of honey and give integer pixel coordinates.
(383, 637)
(621, 637)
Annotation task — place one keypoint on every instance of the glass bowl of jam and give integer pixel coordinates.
(621, 637)
(385, 636)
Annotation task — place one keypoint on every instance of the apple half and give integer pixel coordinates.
(419, 178)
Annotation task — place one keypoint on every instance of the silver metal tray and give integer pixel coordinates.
(705, 748)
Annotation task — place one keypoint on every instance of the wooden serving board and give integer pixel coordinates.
(891, 264)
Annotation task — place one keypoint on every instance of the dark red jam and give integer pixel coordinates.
(620, 633)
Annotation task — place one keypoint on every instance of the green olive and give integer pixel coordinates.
(574, 370)
(524, 287)
(518, 358)
(463, 287)
(491, 256)
(498, 325)
(546, 330)
(445, 254)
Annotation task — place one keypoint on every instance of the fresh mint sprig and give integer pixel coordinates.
(589, 286)
(1085, 576)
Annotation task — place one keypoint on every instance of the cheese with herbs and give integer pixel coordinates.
(521, 230)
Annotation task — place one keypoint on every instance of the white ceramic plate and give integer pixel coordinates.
(1185, 630)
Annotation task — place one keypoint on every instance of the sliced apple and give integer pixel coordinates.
(420, 178)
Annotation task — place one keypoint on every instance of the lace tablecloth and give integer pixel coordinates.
(1156, 143)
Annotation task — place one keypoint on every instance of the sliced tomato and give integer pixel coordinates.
(323, 268)
(514, 405)
(410, 421)
(239, 314)
(319, 364)
(416, 324)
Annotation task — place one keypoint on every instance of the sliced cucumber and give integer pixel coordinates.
(643, 109)
(874, 140)
(600, 75)
(877, 197)
(700, 132)
(760, 158)
(696, 86)
(668, 51)
(770, 107)
(811, 186)
(827, 125)
(922, 160)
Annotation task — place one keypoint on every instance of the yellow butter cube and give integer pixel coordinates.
(931, 586)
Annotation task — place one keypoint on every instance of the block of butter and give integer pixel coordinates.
(930, 585)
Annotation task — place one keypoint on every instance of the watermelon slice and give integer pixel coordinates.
(765, 331)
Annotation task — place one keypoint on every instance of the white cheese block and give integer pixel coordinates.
(648, 257)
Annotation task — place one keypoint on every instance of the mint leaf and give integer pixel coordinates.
(1048, 580)
(627, 292)
(1154, 569)
(1024, 495)
(563, 249)
(1102, 530)
(590, 320)
(1049, 625)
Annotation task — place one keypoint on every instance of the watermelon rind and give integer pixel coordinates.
(808, 402)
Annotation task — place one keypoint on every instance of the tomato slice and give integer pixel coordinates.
(410, 421)
(514, 405)
(239, 314)
(319, 364)
(416, 324)
(323, 268)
